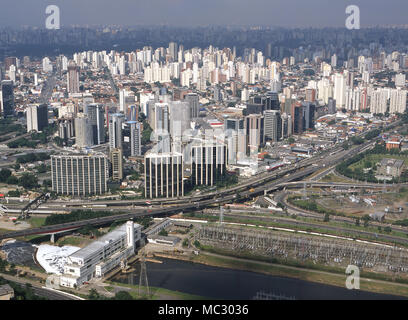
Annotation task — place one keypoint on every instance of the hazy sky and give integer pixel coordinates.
(287, 13)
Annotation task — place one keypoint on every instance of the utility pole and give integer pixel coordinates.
(143, 272)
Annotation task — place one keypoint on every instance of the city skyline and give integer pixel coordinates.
(184, 13)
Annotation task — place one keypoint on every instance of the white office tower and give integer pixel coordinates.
(208, 161)
(353, 99)
(193, 101)
(366, 77)
(83, 131)
(164, 175)
(340, 90)
(400, 80)
(334, 61)
(398, 100)
(378, 102)
(79, 175)
(124, 100)
(101, 256)
(144, 98)
(275, 85)
(324, 90)
(180, 119)
(326, 69)
(116, 121)
(244, 94)
(47, 66)
(122, 65)
(12, 73)
(35, 79)
(135, 139)
(37, 117)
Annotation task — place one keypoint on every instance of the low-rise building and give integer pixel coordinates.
(390, 167)
(102, 255)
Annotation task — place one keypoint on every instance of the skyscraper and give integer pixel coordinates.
(115, 131)
(273, 125)
(208, 162)
(164, 175)
(135, 139)
(37, 117)
(192, 99)
(116, 156)
(340, 90)
(173, 50)
(308, 115)
(83, 131)
(79, 175)
(7, 98)
(254, 127)
(95, 113)
(73, 78)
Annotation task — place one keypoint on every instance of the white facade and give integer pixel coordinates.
(101, 256)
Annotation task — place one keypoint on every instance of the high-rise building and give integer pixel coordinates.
(73, 78)
(340, 90)
(37, 117)
(398, 101)
(116, 121)
(308, 115)
(254, 129)
(208, 162)
(180, 118)
(66, 129)
(298, 122)
(95, 113)
(273, 125)
(135, 139)
(116, 156)
(79, 175)
(173, 51)
(331, 106)
(400, 80)
(7, 98)
(192, 99)
(164, 175)
(83, 131)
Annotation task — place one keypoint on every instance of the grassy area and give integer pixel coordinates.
(325, 277)
(36, 222)
(73, 241)
(375, 158)
(158, 293)
(333, 178)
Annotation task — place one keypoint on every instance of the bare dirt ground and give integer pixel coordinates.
(7, 224)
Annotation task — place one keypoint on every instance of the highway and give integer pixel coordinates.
(250, 188)
(223, 197)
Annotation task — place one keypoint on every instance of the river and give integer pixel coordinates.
(222, 283)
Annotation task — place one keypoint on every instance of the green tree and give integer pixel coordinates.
(4, 175)
(123, 295)
(326, 217)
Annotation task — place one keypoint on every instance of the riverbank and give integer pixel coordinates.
(280, 270)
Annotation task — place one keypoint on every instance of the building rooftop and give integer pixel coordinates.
(101, 242)
(392, 162)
